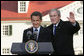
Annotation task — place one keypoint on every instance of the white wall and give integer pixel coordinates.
(17, 34)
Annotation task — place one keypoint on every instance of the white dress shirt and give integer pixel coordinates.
(37, 31)
(54, 26)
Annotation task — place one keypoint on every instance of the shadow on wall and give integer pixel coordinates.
(9, 5)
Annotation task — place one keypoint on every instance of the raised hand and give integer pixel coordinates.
(71, 17)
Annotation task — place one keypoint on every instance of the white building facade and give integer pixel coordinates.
(12, 31)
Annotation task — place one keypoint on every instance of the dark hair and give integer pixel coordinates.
(36, 13)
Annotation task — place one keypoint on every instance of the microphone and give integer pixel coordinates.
(35, 35)
(29, 35)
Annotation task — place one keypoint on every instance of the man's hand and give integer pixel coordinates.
(71, 18)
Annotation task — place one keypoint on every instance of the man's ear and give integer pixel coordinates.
(40, 20)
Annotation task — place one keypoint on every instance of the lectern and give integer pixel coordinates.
(43, 48)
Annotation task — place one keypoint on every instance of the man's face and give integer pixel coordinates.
(36, 21)
(54, 17)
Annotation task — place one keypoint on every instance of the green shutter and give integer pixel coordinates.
(10, 29)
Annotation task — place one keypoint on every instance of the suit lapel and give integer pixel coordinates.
(40, 33)
(60, 25)
(31, 29)
(51, 29)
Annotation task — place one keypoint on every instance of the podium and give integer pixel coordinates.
(43, 48)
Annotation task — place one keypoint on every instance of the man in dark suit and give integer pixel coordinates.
(62, 32)
(42, 34)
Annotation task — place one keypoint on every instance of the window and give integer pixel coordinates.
(6, 50)
(7, 30)
(22, 6)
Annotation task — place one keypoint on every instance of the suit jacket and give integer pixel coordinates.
(63, 40)
(43, 35)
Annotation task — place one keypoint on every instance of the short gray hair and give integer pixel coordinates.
(58, 11)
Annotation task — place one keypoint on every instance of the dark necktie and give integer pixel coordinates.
(36, 29)
(55, 30)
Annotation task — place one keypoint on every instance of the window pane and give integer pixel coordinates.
(3, 51)
(7, 30)
(7, 50)
(22, 6)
